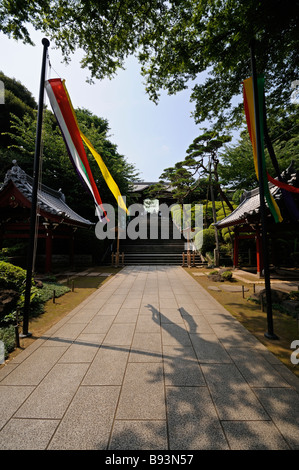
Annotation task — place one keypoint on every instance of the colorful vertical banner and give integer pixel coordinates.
(74, 138)
(250, 118)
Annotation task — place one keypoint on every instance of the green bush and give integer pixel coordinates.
(13, 250)
(7, 335)
(227, 275)
(208, 240)
(12, 277)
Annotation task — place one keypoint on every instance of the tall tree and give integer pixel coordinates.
(18, 101)
(203, 157)
(57, 170)
(175, 41)
(236, 167)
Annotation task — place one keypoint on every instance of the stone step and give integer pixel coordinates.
(127, 249)
(158, 258)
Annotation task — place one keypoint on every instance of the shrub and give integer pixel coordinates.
(227, 275)
(208, 240)
(7, 335)
(12, 277)
(221, 275)
(12, 286)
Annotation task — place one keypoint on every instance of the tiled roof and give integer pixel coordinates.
(141, 185)
(249, 209)
(49, 200)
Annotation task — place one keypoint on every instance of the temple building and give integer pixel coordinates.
(245, 221)
(55, 219)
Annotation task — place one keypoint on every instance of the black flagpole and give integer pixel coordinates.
(30, 255)
(270, 333)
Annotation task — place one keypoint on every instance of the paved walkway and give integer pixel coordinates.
(149, 361)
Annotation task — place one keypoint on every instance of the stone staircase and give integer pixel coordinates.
(158, 251)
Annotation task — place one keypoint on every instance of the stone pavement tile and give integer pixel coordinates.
(231, 394)
(253, 435)
(147, 324)
(88, 420)
(152, 312)
(116, 299)
(171, 315)
(93, 339)
(84, 316)
(146, 347)
(208, 348)
(110, 309)
(192, 420)
(288, 375)
(11, 398)
(127, 315)
(219, 317)
(150, 299)
(9, 367)
(181, 367)
(35, 367)
(176, 335)
(207, 300)
(108, 366)
(77, 353)
(282, 405)
(190, 309)
(139, 435)
(256, 370)
(97, 303)
(269, 356)
(166, 294)
(53, 395)
(197, 324)
(27, 434)
(168, 303)
(99, 324)
(184, 299)
(64, 335)
(133, 302)
(120, 334)
(135, 293)
(235, 335)
(179, 290)
(142, 396)
(25, 353)
(122, 291)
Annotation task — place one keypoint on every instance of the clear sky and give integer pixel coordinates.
(152, 137)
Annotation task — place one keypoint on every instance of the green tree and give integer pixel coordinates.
(203, 157)
(57, 170)
(175, 41)
(18, 101)
(236, 167)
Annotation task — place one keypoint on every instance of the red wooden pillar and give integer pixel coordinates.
(259, 255)
(49, 240)
(236, 249)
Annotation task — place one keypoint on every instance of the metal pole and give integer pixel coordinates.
(270, 333)
(25, 333)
